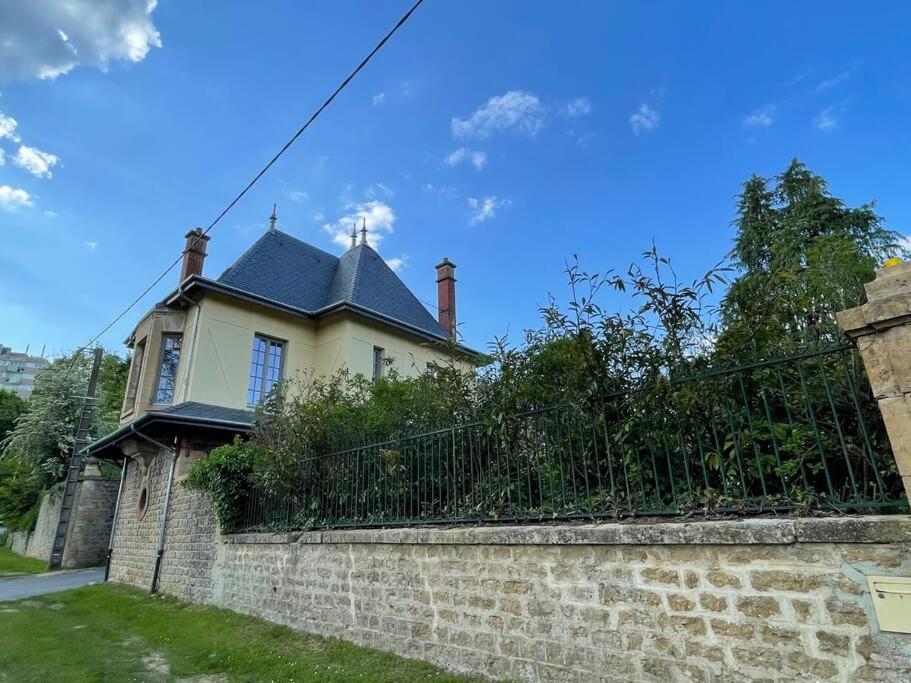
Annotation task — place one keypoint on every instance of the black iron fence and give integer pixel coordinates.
(800, 432)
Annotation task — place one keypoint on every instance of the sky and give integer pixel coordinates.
(507, 136)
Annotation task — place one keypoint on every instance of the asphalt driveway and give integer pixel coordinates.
(52, 582)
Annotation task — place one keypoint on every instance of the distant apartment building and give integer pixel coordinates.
(18, 370)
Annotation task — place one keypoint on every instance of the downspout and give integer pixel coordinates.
(123, 476)
(165, 508)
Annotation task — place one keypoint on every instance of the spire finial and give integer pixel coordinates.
(354, 234)
(272, 219)
(364, 232)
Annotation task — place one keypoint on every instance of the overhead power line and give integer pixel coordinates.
(300, 131)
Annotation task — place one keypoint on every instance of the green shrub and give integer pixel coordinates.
(226, 475)
(21, 488)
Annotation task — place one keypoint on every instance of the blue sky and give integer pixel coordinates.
(505, 135)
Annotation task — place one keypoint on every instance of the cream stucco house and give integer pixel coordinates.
(207, 354)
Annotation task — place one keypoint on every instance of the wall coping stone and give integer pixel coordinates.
(262, 538)
(757, 531)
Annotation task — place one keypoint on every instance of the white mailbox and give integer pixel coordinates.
(892, 602)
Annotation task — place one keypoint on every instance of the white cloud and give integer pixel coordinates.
(904, 242)
(644, 119)
(826, 120)
(478, 158)
(380, 219)
(318, 216)
(517, 111)
(12, 198)
(760, 118)
(2, 157)
(581, 106)
(405, 89)
(8, 127)
(398, 262)
(91, 246)
(480, 210)
(299, 196)
(35, 161)
(49, 38)
(379, 190)
(378, 98)
(836, 80)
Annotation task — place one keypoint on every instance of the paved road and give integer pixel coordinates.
(52, 582)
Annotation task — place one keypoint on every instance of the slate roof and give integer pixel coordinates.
(193, 410)
(192, 413)
(288, 271)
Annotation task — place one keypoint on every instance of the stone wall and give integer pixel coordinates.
(713, 601)
(38, 543)
(90, 527)
(191, 536)
(17, 541)
(709, 601)
(41, 539)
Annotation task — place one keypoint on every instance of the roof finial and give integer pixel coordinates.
(354, 234)
(272, 219)
(364, 232)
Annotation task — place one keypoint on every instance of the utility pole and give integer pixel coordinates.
(75, 467)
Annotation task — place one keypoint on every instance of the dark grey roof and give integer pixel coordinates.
(284, 269)
(186, 414)
(193, 410)
(288, 271)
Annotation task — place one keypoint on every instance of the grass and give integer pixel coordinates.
(11, 563)
(110, 632)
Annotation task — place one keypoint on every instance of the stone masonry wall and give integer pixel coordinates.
(38, 542)
(551, 604)
(17, 541)
(191, 539)
(712, 601)
(41, 539)
(135, 538)
(90, 527)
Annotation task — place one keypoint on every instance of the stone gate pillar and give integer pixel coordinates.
(881, 328)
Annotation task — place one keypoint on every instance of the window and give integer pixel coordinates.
(167, 369)
(265, 368)
(135, 370)
(377, 362)
(432, 369)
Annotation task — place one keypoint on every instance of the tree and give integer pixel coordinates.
(21, 489)
(112, 385)
(45, 433)
(802, 255)
(11, 408)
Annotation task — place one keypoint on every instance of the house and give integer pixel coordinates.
(209, 352)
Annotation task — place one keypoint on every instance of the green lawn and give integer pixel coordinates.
(110, 632)
(11, 563)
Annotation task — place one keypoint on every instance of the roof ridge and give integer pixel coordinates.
(357, 269)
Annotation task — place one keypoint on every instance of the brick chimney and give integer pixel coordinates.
(446, 296)
(194, 254)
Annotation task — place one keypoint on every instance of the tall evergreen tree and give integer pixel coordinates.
(802, 255)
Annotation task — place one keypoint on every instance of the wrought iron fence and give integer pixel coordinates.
(783, 434)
